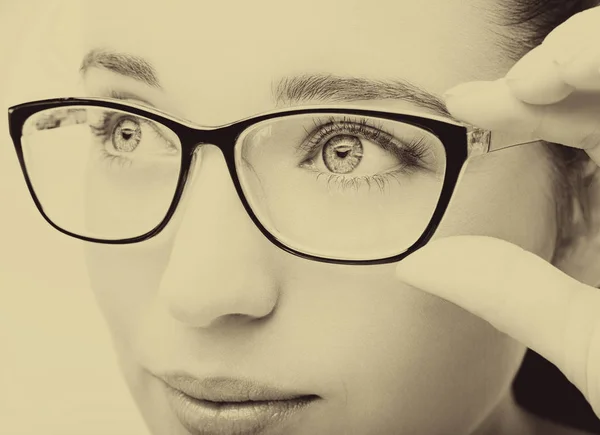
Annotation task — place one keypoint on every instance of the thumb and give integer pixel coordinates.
(520, 294)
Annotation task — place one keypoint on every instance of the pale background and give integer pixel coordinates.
(58, 374)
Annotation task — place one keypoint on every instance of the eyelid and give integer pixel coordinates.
(333, 125)
(372, 131)
(129, 97)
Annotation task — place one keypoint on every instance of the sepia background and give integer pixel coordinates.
(58, 375)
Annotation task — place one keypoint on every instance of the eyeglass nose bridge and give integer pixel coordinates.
(194, 145)
(223, 138)
(194, 138)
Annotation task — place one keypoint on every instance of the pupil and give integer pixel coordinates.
(342, 153)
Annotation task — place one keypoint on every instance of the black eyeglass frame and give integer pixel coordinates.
(459, 142)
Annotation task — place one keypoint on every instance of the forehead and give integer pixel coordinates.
(227, 55)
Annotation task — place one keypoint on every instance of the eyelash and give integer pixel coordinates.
(344, 182)
(103, 130)
(410, 152)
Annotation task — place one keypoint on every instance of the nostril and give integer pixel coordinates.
(210, 309)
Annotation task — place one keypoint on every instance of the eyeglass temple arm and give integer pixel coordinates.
(484, 141)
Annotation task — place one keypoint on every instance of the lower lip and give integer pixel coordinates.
(201, 417)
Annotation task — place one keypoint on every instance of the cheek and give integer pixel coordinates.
(391, 353)
(389, 341)
(124, 280)
(381, 348)
(507, 195)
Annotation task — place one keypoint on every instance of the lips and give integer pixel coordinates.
(228, 406)
(227, 389)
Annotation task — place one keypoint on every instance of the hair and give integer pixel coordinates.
(529, 22)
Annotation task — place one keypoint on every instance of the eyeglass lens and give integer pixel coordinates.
(331, 185)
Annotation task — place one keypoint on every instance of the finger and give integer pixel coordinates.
(582, 72)
(536, 79)
(490, 105)
(568, 59)
(579, 31)
(542, 77)
(574, 121)
(518, 293)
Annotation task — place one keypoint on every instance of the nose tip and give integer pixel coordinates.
(215, 313)
(208, 296)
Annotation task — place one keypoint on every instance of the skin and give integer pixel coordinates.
(551, 91)
(213, 297)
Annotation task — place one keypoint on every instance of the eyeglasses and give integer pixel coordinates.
(332, 184)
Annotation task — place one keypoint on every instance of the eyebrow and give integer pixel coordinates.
(121, 63)
(332, 88)
(304, 88)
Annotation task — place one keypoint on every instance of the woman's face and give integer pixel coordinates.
(212, 298)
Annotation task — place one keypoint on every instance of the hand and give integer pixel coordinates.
(552, 93)
(521, 295)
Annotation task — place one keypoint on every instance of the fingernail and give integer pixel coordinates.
(465, 89)
(570, 55)
(565, 57)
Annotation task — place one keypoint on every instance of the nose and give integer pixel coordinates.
(219, 267)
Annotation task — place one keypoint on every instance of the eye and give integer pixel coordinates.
(127, 135)
(342, 154)
(132, 137)
(352, 148)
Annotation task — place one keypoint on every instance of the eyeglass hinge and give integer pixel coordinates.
(479, 141)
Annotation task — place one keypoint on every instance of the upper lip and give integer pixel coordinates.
(228, 390)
